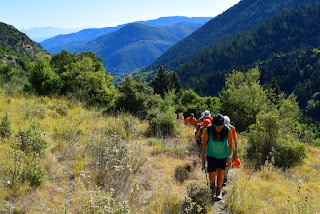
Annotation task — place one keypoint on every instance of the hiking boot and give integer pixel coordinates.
(218, 194)
(225, 182)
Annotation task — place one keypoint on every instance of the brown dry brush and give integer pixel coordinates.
(182, 173)
(113, 164)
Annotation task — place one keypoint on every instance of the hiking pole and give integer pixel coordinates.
(206, 174)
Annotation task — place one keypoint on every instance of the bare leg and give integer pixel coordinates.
(220, 177)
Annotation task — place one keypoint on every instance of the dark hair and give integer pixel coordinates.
(218, 120)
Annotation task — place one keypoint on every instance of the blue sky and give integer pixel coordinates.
(102, 13)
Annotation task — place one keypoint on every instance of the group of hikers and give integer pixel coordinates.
(215, 137)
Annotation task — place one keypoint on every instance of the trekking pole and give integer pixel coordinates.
(206, 174)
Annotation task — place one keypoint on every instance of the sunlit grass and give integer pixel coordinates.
(72, 129)
(272, 190)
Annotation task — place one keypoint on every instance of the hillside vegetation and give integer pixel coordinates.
(14, 44)
(132, 47)
(243, 16)
(72, 142)
(284, 48)
(59, 156)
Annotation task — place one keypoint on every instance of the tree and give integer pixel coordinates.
(84, 80)
(161, 82)
(136, 97)
(243, 98)
(176, 84)
(43, 78)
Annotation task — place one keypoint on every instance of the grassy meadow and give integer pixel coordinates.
(58, 156)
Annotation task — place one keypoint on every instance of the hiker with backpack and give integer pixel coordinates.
(217, 150)
(235, 143)
(199, 134)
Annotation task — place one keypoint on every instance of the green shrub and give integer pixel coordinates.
(36, 111)
(43, 78)
(6, 127)
(198, 199)
(152, 141)
(21, 168)
(269, 140)
(61, 108)
(163, 124)
(31, 141)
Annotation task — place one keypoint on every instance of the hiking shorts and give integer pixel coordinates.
(214, 164)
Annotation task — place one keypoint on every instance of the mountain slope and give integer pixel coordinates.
(133, 46)
(243, 16)
(284, 47)
(14, 43)
(72, 41)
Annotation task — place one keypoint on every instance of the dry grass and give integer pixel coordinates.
(76, 137)
(271, 190)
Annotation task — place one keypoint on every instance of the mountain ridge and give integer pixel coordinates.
(243, 16)
(67, 42)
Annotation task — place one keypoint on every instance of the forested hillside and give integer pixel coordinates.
(243, 16)
(13, 44)
(292, 30)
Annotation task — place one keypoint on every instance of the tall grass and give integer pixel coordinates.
(272, 190)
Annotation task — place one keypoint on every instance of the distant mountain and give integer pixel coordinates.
(39, 34)
(14, 44)
(243, 16)
(132, 47)
(72, 41)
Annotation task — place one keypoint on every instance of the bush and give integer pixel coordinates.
(31, 141)
(269, 140)
(198, 199)
(163, 124)
(36, 111)
(20, 168)
(113, 163)
(6, 127)
(43, 78)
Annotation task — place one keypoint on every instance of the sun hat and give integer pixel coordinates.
(226, 120)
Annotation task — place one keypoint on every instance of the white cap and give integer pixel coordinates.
(207, 113)
(226, 120)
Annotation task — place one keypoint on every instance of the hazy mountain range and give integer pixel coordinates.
(39, 34)
(128, 48)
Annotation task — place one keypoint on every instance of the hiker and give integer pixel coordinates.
(234, 142)
(199, 134)
(206, 115)
(217, 149)
(190, 121)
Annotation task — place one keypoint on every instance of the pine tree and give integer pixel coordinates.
(175, 82)
(161, 82)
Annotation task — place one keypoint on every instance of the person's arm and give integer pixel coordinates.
(186, 122)
(234, 138)
(204, 146)
(230, 147)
